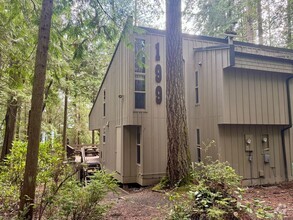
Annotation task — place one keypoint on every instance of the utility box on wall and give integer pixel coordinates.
(248, 141)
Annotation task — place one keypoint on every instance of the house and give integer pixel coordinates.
(237, 99)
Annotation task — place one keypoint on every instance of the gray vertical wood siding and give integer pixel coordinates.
(248, 98)
(254, 97)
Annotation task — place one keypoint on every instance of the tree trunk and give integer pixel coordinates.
(25, 120)
(270, 20)
(229, 15)
(259, 22)
(17, 133)
(27, 195)
(64, 135)
(10, 122)
(178, 150)
(28, 123)
(289, 23)
(249, 22)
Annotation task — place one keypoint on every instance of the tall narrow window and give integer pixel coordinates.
(104, 103)
(139, 56)
(104, 136)
(198, 145)
(139, 87)
(196, 88)
(138, 145)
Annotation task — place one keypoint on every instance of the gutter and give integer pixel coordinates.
(287, 127)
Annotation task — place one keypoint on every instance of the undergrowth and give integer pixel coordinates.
(215, 192)
(58, 195)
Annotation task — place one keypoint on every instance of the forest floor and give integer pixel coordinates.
(143, 203)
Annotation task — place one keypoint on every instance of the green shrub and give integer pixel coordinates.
(76, 202)
(58, 194)
(215, 193)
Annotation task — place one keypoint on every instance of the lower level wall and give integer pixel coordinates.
(261, 161)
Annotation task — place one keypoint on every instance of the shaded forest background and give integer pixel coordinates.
(83, 38)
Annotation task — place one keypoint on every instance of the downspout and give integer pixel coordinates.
(287, 127)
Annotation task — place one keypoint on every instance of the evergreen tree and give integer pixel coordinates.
(29, 185)
(178, 161)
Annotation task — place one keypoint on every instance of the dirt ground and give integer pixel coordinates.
(279, 197)
(138, 203)
(143, 203)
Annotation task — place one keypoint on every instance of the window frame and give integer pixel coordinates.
(137, 51)
(104, 103)
(104, 136)
(198, 145)
(196, 89)
(140, 74)
(138, 145)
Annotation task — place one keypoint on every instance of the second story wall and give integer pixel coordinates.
(113, 93)
(254, 97)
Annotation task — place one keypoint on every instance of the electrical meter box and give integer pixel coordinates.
(248, 143)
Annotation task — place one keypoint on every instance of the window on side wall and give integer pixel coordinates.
(139, 55)
(140, 96)
(138, 144)
(104, 103)
(198, 145)
(196, 88)
(139, 83)
(104, 137)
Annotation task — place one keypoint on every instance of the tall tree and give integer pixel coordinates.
(249, 18)
(28, 189)
(289, 23)
(16, 47)
(259, 22)
(10, 121)
(178, 150)
(213, 17)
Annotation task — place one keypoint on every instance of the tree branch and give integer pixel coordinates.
(55, 192)
(25, 60)
(47, 94)
(101, 6)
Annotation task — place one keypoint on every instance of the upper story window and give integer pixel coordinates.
(139, 84)
(196, 87)
(104, 103)
(139, 56)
